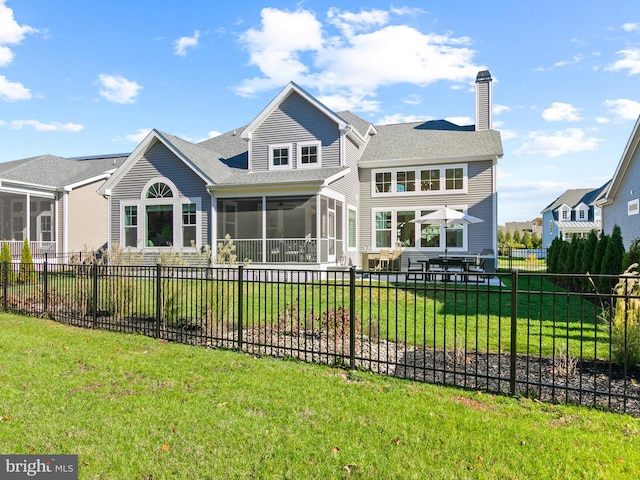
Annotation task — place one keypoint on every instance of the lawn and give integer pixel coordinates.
(138, 408)
(475, 317)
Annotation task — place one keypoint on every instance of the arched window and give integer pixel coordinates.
(159, 190)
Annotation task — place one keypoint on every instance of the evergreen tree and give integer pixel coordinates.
(577, 259)
(517, 239)
(552, 255)
(598, 255)
(612, 260)
(536, 240)
(633, 254)
(526, 240)
(5, 258)
(27, 271)
(589, 252)
(570, 260)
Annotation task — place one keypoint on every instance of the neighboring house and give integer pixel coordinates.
(621, 201)
(52, 202)
(574, 213)
(301, 184)
(523, 227)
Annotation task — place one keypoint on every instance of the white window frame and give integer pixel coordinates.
(277, 146)
(633, 207)
(394, 229)
(176, 201)
(417, 177)
(299, 148)
(355, 240)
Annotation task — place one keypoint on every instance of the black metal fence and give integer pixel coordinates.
(522, 259)
(509, 333)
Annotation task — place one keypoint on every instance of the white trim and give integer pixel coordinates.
(351, 208)
(417, 171)
(281, 146)
(299, 147)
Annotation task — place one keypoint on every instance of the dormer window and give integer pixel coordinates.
(309, 154)
(564, 214)
(582, 215)
(280, 156)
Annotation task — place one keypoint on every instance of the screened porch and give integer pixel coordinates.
(301, 229)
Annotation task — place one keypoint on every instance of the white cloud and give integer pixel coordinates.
(498, 109)
(630, 61)
(460, 120)
(10, 31)
(561, 112)
(631, 27)
(183, 43)
(39, 126)
(400, 118)
(349, 23)
(12, 91)
(570, 140)
(213, 134)
(118, 89)
(506, 134)
(337, 60)
(602, 120)
(624, 108)
(413, 100)
(138, 136)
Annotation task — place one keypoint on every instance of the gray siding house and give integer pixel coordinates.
(52, 202)
(303, 185)
(574, 213)
(621, 200)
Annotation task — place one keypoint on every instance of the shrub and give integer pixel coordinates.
(623, 319)
(27, 273)
(5, 257)
(612, 260)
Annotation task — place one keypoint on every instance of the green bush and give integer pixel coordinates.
(623, 319)
(5, 257)
(27, 272)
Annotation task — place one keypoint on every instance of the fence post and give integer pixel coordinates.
(514, 332)
(158, 300)
(5, 287)
(240, 304)
(45, 285)
(352, 318)
(94, 270)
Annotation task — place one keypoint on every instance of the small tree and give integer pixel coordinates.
(27, 272)
(598, 255)
(526, 240)
(612, 260)
(5, 257)
(633, 254)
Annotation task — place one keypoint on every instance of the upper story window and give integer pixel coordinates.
(582, 215)
(159, 190)
(564, 214)
(309, 154)
(412, 181)
(280, 156)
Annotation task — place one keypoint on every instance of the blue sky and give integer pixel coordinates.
(83, 78)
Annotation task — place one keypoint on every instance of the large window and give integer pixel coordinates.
(395, 228)
(161, 218)
(412, 181)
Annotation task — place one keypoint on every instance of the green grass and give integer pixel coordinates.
(138, 408)
(475, 318)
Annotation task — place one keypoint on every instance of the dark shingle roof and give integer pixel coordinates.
(413, 141)
(57, 172)
(576, 196)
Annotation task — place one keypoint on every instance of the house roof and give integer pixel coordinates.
(319, 175)
(576, 196)
(422, 141)
(626, 159)
(57, 172)
(578, 226)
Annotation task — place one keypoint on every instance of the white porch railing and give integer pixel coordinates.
(276, 250)
(38, 249)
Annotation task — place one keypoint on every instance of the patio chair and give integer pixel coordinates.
(383, 259)
(415, 271)
(436, 270)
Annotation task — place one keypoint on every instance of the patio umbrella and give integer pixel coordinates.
(446, 216)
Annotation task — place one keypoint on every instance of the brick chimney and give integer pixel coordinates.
(484, 97)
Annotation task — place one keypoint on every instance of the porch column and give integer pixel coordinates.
(264, 228)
